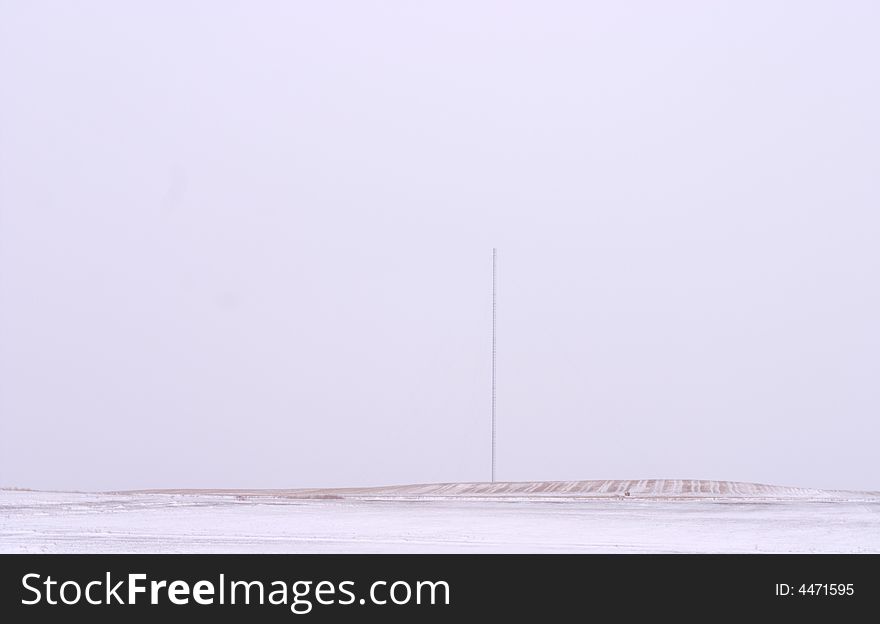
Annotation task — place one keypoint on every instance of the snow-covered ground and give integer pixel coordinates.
(576, 516)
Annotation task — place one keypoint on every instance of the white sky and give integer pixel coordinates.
(248, 244)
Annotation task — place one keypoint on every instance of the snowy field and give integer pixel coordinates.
(568, 517)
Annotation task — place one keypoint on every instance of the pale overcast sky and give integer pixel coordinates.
(248, 244)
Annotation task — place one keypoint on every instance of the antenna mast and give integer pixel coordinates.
(494, 325)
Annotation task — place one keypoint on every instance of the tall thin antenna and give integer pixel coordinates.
(494, 325)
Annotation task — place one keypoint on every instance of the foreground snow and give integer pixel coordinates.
(581, 516)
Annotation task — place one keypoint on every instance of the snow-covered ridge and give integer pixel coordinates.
(604, 489)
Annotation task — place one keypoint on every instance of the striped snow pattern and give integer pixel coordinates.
(645, 488)
(599, 488)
